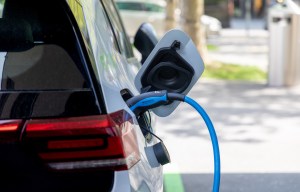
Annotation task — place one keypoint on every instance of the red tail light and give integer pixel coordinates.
(10, 130)
(106, 141)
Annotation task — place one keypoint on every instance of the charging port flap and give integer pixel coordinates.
(174, 65)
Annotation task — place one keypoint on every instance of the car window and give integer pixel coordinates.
(2, 54)
(53, 63)
(118, 28)
(77, 11)
(78, 14)
(42, 67)
(102, 39)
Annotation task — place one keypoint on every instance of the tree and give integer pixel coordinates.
(170, 14)
(191, 12)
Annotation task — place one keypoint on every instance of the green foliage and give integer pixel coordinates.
(211, 47)
(2, 1)
(234, 72)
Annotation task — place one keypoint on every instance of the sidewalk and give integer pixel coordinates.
(258, 129)
(238, 45)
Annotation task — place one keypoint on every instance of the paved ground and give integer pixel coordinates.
(239, 45)
(258, 128)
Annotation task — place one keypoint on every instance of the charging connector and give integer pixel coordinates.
(150, 100)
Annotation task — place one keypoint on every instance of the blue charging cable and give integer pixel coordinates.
(149, 100)
(214, 140)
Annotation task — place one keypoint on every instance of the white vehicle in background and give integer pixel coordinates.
(136, 12)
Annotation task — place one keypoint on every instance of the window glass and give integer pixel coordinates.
(118, 28)
(53, 63)
(79, 16)
(2, 54)
(42, 67)
(103, 23)
(77, 11)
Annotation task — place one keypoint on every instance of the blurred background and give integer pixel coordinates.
(250, 88)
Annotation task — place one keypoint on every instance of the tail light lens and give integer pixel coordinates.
(10, 130)
(104, 141)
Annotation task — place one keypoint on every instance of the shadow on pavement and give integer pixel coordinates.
(243, 182)
(241, 111)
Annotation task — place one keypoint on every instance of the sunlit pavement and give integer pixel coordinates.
(258, 129)
(242, 44)
(239, 46)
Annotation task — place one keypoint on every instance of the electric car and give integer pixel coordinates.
(67, 68)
